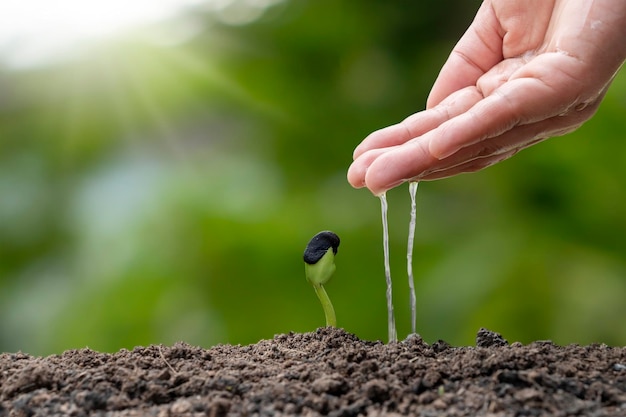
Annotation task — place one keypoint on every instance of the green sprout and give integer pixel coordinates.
(319, 266)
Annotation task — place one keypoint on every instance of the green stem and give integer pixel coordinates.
(329, 311)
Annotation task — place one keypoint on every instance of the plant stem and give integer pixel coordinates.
(329, 311)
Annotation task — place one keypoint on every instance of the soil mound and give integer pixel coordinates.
(327, 372)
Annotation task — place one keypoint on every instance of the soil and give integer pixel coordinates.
(327, 372)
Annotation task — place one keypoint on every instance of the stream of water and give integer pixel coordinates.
(409, 255)
(391, 321)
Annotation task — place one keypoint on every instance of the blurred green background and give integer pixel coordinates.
(160, 183)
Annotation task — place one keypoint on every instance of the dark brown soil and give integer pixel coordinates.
(328, 372)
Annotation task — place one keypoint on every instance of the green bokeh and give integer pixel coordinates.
(151, 193)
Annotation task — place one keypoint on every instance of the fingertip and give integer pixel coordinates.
(401, 164)
(382, 189)
(358, 176)
(356, 172)
(359, 167)
(368, 144)
(382, 175)
(358, 151)
(355, 179)
(382, 139)
(433, 99)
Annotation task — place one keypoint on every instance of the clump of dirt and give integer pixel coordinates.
(327, 372)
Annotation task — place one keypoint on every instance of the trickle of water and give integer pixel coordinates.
(391, 321)
(409, 255)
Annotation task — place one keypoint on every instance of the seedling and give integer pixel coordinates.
(319, 266)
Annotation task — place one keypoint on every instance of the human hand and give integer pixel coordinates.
(524, 71)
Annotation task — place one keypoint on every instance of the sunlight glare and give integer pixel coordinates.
(35, 31)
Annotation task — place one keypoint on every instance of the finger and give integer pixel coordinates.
(470, 166)
(479, 49)
(413, 161)
(419, 123)
(358, 169)
(490, 151)
(541, 90)
(416, 164)
(387, 139)
(397, 165)
(506, 29)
